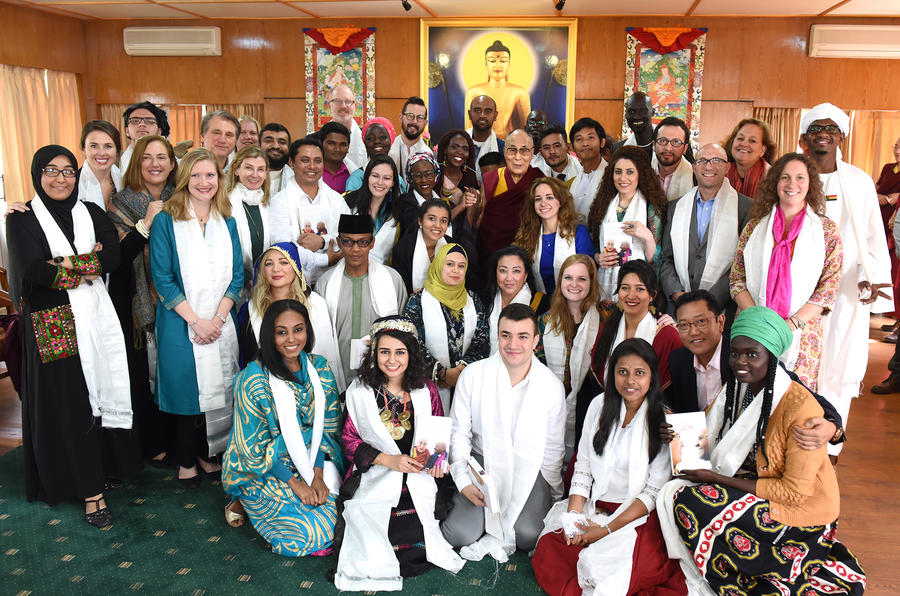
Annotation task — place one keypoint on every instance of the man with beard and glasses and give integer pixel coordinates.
(852, 203)
(555, 153)
(639, 117)
(413, 120)
(670, 142)
(274, 140)
(343, 107)
(483, 114)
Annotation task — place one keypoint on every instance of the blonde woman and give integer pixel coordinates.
(549, 231)
(248, 192)
(569, 330)
(195, 261)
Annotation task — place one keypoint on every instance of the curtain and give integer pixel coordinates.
(184, 122)
(240, 109)
(112, 113)
(871, 141)
(64, 109)
(785, 126)
(23, 97)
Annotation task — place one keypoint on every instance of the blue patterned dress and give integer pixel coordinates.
(257, 466)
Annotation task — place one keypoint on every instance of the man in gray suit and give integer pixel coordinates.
(701, 234)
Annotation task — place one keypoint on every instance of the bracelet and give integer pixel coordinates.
(797, 322)
(142, 229)
(58, 260)
(607, 528)
(191, 325)
(221, 318)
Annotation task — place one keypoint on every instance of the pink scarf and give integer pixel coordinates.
(778, 281)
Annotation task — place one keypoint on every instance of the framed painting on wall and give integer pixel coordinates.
(523, 64)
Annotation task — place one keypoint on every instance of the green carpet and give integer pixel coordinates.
(168, 540)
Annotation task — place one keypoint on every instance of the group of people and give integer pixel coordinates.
(292, 316)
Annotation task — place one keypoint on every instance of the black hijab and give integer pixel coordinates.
(60, 210)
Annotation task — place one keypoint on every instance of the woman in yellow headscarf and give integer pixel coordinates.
(450, 320)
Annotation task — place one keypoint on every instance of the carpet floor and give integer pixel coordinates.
(168, 540)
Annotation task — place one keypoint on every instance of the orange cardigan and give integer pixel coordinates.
(800, 485)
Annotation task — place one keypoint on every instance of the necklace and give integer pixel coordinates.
(639, 145)
(394, 412)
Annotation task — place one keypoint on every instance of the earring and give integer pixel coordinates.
(653, 310)
(619, 306)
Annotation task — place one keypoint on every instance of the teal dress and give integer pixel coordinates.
(257, 465)
(176, 373)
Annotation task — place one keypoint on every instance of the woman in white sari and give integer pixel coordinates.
(622, 463)
(627, 216)
(569, 330)
(248, 191)
(391, 530)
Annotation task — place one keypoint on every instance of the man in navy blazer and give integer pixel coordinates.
(699, 369)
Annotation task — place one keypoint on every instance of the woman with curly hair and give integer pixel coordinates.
(549, 231)
(569, 330)
(631, 201)
(391, 531)
(789, 258)
(750, 148)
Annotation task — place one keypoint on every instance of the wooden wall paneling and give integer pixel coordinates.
(397, 48)
(608, 112)
(718, 118)
(26, 32)
(291, 112)
(283, 56)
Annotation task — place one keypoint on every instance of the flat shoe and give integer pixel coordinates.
(165, 463)
(192, 482)
(233, 518)
(99, 518)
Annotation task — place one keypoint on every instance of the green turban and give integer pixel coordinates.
(764, 325)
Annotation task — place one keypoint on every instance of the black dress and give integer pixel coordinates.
(66, 451)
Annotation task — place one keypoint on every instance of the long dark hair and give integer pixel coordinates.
(268, 355)
(647, 275)
(416, 372)
(361, 198)
(491, 290)
(469, 178)
(733, 403)
(612, 400)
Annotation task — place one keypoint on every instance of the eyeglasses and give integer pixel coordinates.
(148, 121)
(418, 117)
(520, 150)
(421, 175)
(51, 172)
(343, 102)
(663, 141)
(700, 324)
(832, 129)
(349, 242)
(702, 161)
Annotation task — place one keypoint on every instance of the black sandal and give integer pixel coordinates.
(99, 518)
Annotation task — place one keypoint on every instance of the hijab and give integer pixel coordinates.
(289, 250)
(453, 297)
(60, 210)
(421, 156)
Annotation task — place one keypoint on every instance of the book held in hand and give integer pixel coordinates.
(432, 443)
(483, 482)
(690, 447)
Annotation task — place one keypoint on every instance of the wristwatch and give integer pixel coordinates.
(837, 435)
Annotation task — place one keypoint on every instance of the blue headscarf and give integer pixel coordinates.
(288, 249)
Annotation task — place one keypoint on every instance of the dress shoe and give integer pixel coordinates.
(192, 482)
(887, 386)
(890, 338)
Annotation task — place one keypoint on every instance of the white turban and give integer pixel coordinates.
(826, 111)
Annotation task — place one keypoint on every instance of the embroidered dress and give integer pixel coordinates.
(825, 294)
(479, 348)
(257, 466)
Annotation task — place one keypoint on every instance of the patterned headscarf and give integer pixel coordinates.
(421, 156)
(288, 249)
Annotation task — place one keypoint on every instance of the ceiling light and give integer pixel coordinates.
(407, 6)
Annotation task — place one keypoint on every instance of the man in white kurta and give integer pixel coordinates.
(852, 203)
(358, 289)
(588, 139)
(343, 108)
(509, 414)
(275, 141)
(307, 211)
(670, 143)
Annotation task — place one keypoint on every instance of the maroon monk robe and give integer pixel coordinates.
(502, 211)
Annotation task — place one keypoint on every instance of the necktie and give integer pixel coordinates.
(561, 176)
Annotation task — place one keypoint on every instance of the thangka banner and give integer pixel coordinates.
(667, 65)
(335, 56)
